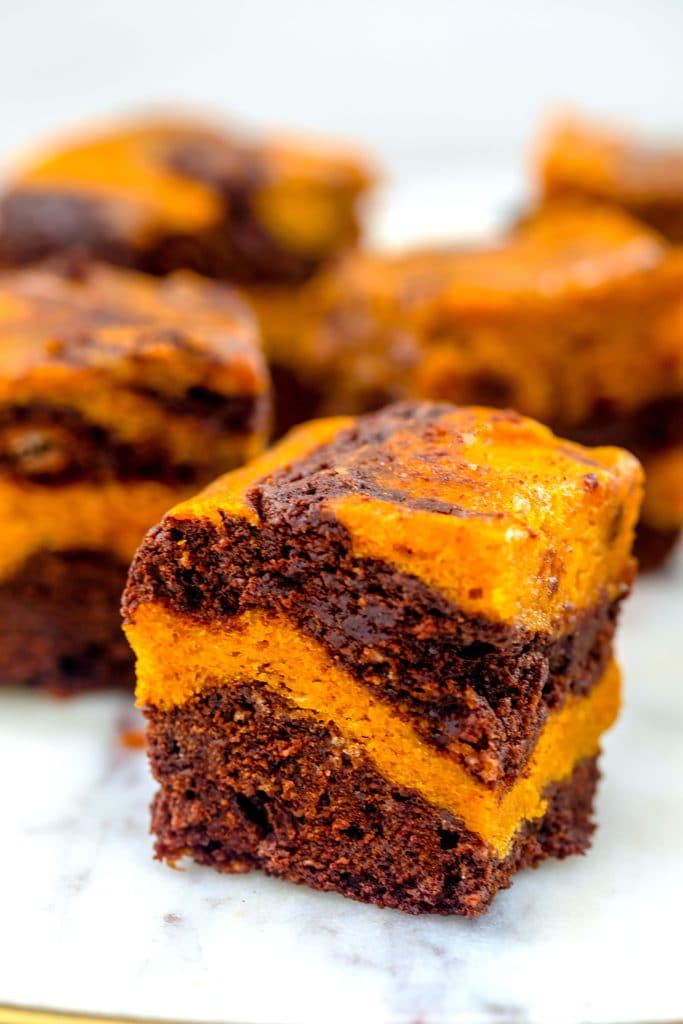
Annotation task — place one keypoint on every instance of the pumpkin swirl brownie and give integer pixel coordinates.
(161, 195)
(576, 320)
(379, 659)
(580, 159)
(119, 394)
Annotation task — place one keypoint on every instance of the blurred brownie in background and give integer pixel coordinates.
(119, 394)
(582, 159)
(350, 340)
(576, 320)
(161, 195)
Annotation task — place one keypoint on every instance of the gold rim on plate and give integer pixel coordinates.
(28, 1015)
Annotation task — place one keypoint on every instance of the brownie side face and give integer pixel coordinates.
(481, 687)
(35, 225)
(119, 395)
(249, 782)
(475, 687)
(345, 681)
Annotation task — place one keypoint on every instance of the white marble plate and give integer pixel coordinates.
(90, 922)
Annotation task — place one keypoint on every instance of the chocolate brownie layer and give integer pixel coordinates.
(461, 680)
(60, 627)
(249, 782)
(664, 217)
(39, 223)
(52, 445)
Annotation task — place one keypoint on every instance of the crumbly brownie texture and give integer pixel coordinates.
(118, 394)
(579, 159)
(181, 194)
(247, 781)
(577, 321)
(60, 626)
(440, 584)
(53, 445)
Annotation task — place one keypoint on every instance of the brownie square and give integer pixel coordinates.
(118, 395)
(580, 159)
(379, 659)
(162, 195)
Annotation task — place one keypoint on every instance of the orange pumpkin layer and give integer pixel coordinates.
(178, 658)
(580, 157)
(110, 516)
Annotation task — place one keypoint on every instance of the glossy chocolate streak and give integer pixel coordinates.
(315, 478)
(53, 445)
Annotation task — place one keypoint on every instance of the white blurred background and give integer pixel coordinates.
(446, 92)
